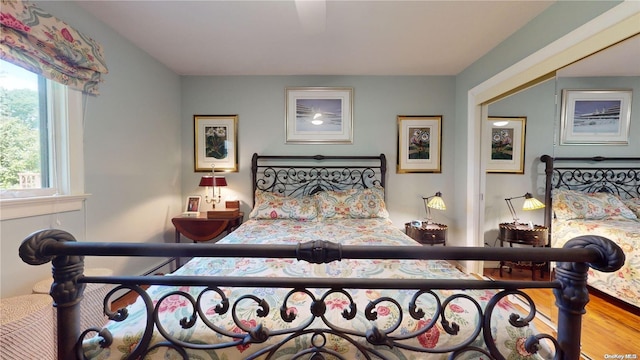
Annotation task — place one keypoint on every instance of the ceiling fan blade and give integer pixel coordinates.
(312, 15)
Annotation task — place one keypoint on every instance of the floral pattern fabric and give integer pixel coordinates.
(372, 232)
(273, 206)
(39, 42)
(570, 204)
(353, 203)
(623, 284)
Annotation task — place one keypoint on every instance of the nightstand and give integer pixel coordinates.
(523, 235)
(427, 234)
(204, 227)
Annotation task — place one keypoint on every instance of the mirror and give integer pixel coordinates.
(614, 67)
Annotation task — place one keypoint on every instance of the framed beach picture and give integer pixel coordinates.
(215, 143)
(319, 115)
(595, 117)
(507, 144)
(419, 144)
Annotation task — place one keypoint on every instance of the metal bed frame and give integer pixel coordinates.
(569, 286)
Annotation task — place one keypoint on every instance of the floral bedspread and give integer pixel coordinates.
(623, 284)
(172, 310)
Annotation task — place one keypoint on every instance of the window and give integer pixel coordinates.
(40, 143)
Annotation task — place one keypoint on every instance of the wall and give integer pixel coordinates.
(259, 102)
(132, 160)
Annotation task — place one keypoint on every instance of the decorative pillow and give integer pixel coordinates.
(275, 206)
(353, 203)
(571, 204)
(633, 205)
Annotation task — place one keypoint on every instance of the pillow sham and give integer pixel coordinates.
(276, 206)
(354, 203)
(571, 204)
(633, 205)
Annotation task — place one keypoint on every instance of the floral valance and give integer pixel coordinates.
(39, 42)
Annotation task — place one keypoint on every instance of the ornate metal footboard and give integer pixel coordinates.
(569, 286)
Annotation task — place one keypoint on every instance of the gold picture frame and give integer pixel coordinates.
(507, 141)
(419, 144)
(215, 143)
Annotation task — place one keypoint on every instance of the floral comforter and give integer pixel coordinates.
(372, 232)
(623, 284)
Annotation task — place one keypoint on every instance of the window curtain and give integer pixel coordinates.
(39, 42)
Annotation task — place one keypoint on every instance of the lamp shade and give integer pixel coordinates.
(208, 180)
(437, 203)
(531, 203)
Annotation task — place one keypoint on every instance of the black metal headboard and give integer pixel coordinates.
(616, 175)
(305, 175)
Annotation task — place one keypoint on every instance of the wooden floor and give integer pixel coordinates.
(607, 328)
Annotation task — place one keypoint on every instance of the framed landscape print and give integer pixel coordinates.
(507, 145)
(319, 115)
(595, 117)
(419, 144)
(215, 142)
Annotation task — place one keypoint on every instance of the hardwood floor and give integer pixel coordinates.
(607, 328)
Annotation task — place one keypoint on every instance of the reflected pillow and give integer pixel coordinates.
(633, 205)
(275, 206)
(353, 203)
(571, 204)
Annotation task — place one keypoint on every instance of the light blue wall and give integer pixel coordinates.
(132, 159)
(259, 101)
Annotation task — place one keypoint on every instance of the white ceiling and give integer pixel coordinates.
(333, 38)
(622, 59)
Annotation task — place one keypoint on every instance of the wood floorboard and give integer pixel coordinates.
(608, 329)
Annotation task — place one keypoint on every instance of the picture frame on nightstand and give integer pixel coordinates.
(192, 206)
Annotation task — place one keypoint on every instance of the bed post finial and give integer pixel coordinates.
(573, 296)
(37, 249)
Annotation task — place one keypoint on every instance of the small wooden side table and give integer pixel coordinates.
(523, 235)
(203, 228)
(427, 234)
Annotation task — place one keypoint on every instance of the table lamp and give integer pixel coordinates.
(530, 203)
(433, 202)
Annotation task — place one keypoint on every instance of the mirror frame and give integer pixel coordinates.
(611, 27)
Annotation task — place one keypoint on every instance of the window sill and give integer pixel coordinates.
(42, 205)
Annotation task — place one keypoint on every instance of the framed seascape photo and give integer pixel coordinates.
(215, 142)
(507, 145)
(595, 117)
(192, 206)
(320, 115)
(419, 144)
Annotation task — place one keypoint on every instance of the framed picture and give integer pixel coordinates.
(507, 144)
(215, 143)
(595, 117)
(419, 144)
(192, 207)
(319, 115)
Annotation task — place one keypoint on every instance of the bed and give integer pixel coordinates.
(318, 272)
(599, 196)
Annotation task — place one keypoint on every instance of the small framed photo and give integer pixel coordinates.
(507, 144)
(419, 144)
(319, 115)
(192, 207)
(215, 143)
(595, 117)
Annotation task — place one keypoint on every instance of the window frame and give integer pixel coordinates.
(66, 162)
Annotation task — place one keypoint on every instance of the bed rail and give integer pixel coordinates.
(67, 258)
